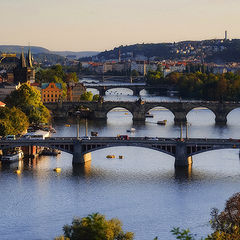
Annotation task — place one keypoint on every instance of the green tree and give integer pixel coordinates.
(96, 97)
(87, 96)
(13, 121)
(134, 73)
(71, 77)
(28, 100)
(95, 227)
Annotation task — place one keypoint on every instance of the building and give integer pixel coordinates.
(51, 92)
(77, 90)
(24, 72)
(139, 66)
(6, 88)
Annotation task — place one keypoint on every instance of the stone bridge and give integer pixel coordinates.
(135, 87)
(138, 109)
(181, 149)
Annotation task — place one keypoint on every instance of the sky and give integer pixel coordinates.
(98, 25)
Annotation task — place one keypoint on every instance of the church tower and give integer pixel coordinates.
(24, 72)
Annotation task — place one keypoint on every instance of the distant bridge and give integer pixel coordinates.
(99, 110)
(181, 149)
(135, 87)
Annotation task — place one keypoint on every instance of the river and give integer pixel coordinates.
(142, 190)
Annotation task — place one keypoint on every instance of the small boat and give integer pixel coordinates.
(12, 156)
(67, 125)
(94, 134)
(120, 157)
(131, 130)
(50, 152)
(110, 156)
(163, 122)
(148, 115)
(57, 169)
(17, 171)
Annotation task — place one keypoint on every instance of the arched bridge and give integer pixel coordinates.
(135, 87)
(181, 149)
(139, 109)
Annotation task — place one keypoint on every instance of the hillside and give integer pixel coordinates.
(214, 50)
(76, 54)
(18, 49)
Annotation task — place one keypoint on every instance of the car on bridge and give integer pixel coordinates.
(123, 137)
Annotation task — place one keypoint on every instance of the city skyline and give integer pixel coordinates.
(102, 25)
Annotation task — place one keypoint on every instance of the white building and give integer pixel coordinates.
(139, 66)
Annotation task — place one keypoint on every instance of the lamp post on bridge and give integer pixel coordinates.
(82, 114)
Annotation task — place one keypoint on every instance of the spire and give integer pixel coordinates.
(29, 58)
(22, 60)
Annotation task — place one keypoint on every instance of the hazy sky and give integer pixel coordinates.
(81, 25)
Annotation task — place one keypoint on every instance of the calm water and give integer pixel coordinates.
(143, 189)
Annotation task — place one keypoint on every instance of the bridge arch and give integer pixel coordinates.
(233, 115)
(109, 90)
(122, 111)
(93, 148)
(68, 148)
(211, 149)
(93, 90)
(162, 114)
(192, 113)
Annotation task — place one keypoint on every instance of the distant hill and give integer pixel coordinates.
(213, 50)
(77, 54)
(18, 49)
(36, 50)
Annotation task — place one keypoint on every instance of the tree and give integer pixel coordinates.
(229, 218)
(13, 121)
(28, 100)
(87, 96)
(96, 97)
(95, 227)
(134, 73)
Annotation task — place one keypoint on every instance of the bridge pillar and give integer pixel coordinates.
(136, 92)
(102, 92)
(221, 119)
(181, 157)
(78, 156)
(180, 117)
(101, 115)
(138, 116)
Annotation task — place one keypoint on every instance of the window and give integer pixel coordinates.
(52, 95)
(55, 95)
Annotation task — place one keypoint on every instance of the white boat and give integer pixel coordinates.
(13, 156)
(131, 130)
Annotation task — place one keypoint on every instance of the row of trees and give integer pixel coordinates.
(56, 74)
(225, 225)
(24, 107)
(200, 85)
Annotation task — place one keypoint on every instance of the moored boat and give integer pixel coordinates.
(12, 156)
(131, 130)
(163, 122)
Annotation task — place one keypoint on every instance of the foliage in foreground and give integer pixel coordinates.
(226, 224)
(95, 227)
(28, 100)
(12, 121)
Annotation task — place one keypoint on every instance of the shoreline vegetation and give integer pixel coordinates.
(225, 226)
(198, 85)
